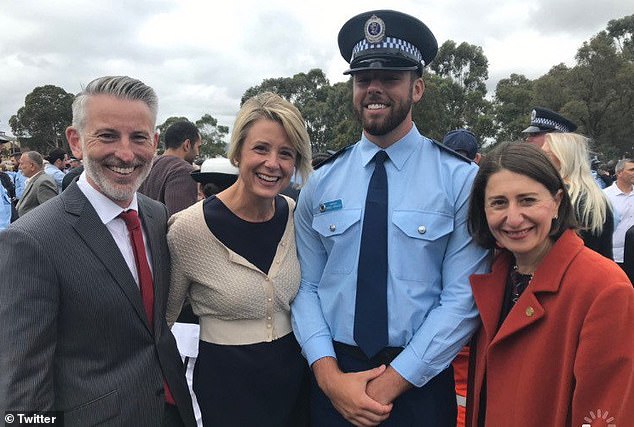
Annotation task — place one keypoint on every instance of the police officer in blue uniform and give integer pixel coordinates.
(385, 303)
(19, 180)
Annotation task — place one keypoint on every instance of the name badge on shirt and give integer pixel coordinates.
(332, 205)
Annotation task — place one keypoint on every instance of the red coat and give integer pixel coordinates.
(566, 350)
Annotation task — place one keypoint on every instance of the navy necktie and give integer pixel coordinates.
(370, 316)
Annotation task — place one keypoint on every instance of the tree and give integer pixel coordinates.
(553, 90)
(466, 64)
(622, 31)
(512, 104)
(344, 127)
(456, 93)
(213, 136)
(597, 93)
(438, 112)
(603, 94)
(309, 93)
(42, 121)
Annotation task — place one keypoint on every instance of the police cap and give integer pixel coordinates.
(462, 140)
(545, 120)
(386, 40)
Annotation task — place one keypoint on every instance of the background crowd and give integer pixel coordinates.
(398, 281)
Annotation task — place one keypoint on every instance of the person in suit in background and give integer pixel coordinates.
(76, 168)
(82, 324)
(40, 186)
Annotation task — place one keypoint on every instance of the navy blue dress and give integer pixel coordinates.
(263, 384)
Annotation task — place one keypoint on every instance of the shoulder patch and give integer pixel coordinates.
(450, 151)
(332, 157)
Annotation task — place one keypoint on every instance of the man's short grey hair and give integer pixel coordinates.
(35, 158)
(122, 87)
(620, 165)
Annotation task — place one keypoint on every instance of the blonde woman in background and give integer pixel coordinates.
(568, 152)
(234, 259)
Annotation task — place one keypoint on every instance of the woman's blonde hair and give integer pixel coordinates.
(591, 205)
(270, 106)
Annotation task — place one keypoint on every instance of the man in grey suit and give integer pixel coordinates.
(78, 330)
(40, 187)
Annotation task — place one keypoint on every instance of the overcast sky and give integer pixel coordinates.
(201, 56)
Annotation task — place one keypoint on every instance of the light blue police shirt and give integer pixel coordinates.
(430, 254)
(57, 175)
(5, 208)
(19, 180)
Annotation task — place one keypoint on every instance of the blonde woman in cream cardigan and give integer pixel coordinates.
(234, 260)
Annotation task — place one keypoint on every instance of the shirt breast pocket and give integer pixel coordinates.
(421, 239)
(339, 231)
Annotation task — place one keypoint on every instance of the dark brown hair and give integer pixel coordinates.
(523, 159)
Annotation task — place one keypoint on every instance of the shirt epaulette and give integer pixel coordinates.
(450, 151)
(332, 157)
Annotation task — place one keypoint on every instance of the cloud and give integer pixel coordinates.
(202, 56)
(577, 16)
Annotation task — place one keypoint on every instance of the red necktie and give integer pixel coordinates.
(146, 284)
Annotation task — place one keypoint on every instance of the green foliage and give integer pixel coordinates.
(42, 121)
(465, 64)
(512, 106)
(309, 92)
(622, 31)
(454, 98)
(213, 136)
(456, 93)
(597, 93)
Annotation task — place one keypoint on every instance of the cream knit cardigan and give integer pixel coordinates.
(235, 301)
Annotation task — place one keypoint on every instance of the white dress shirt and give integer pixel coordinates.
(108, 212)
(623, 206)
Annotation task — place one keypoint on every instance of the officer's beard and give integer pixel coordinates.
(398, 113)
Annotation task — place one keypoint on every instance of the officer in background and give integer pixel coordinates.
(544, 121)
(18, 178)
(385, 303)
(463, 142)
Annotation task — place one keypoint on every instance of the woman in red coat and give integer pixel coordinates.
(555, 347)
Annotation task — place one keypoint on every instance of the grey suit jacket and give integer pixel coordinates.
(41, 187)
(73, 333)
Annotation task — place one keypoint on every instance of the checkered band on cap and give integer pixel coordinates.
(389, 43)
(550, 123)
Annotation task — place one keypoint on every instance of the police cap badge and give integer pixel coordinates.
(386, 40)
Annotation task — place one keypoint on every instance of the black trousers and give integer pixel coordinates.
(432, 405)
